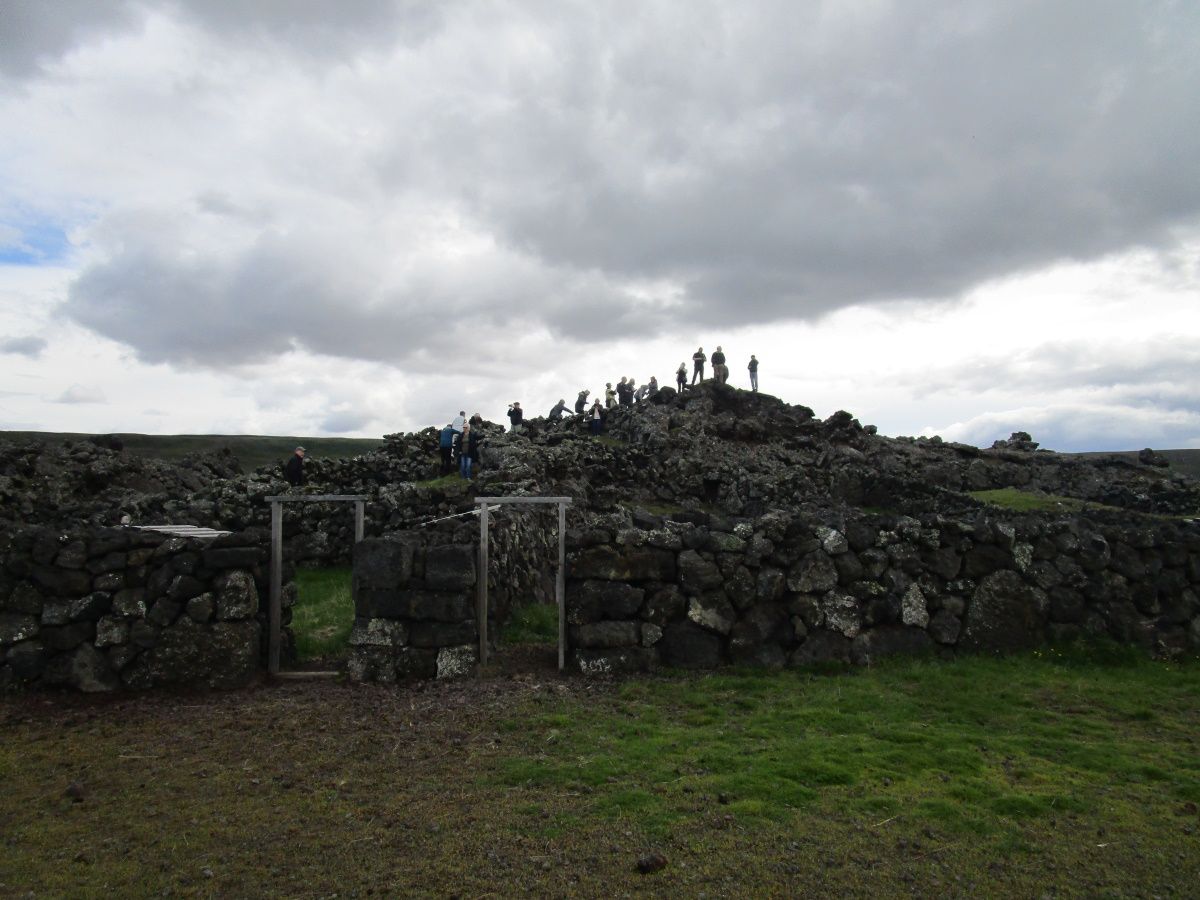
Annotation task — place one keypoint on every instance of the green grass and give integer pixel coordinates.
(251, 450)
(324, 612)
(1048, 774)
(453, 480)
(534, 623)
(1024, 501)
(981, 749)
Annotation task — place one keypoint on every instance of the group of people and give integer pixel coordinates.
(458, 444)
(720, 369)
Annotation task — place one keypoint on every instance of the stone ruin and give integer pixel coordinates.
(710, 527)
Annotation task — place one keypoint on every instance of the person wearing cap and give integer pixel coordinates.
(698, 361)
(516, 416)
(293, 469)
(753, 367)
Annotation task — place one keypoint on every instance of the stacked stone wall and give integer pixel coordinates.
(787, 590)
(415, 592)
(102, 609)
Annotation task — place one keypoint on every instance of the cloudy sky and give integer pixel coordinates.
(290, 216)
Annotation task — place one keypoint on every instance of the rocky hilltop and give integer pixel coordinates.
(712, 450)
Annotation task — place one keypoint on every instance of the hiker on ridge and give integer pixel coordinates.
(681, 377)
(446, 449)
(581, 402)
(698, 361)
(720, 370)
(610, 396)
(516, 416)
(753, 367)
(293, 469)
(458, 421)
(557, 410)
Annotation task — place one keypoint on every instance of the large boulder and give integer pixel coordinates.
(595, 601)
(237, 596)
(686, 645)
(450, 567)
(220, 655)
(1005, 614)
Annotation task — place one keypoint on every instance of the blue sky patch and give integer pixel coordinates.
(32, 244)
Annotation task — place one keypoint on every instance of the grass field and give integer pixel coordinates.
(323, 614)
(251, 450)
(1042, 775)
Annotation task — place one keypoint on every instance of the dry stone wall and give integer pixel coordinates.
(415, 593)
(791, 590)
(104, 609)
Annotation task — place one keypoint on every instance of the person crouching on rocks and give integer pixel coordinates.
(466, 442)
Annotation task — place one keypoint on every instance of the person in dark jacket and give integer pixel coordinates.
(698, 361)
(516, 416)
(293, 469)
(446, 449)
(625, 392)
(557, 410)
(466, 443)
(681, 377)
(581, 401)
(596, 417)
(476, 421)
(753, 367)
(720, 371)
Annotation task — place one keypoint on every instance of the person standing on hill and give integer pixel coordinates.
(446, 449)
(581, 402)
(516, 416)
(466, 442)
(459, 421)
(596, 417)
(293, 469)
(698, 361)
(681, 377)
(753, 367)
(610, 396)
(720, 371)
(625, 392)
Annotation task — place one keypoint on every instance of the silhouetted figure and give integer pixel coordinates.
(720, 370)
(753, 367)
(293, 469)
(581, 402)
(681, 377)
(698, 361)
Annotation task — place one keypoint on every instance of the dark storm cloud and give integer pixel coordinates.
(33, 32)
(758, 162)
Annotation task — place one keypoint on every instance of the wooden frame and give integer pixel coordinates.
(481, 598)
(276, 609)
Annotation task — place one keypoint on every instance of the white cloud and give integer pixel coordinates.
(79, 393)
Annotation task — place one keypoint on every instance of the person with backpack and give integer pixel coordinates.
(698, 361)
(446, 448)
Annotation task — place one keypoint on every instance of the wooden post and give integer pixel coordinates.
(359, 517)
(560, 587)
(481, 611)
(276, 611)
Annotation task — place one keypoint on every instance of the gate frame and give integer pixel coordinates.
(276, 609)
(481, 603)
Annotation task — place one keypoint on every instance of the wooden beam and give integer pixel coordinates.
(481, 604)
(315, 498)
(276, 611)
(560, 587)
(506, 500)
